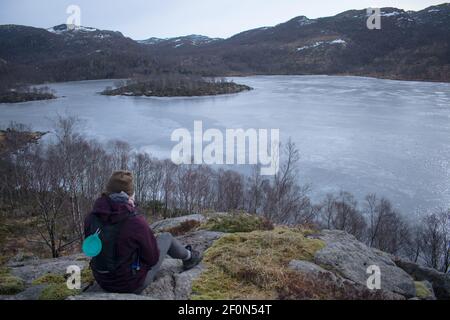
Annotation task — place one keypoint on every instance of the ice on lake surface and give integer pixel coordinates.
(362, 135)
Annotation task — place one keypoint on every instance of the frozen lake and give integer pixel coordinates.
(361, 135)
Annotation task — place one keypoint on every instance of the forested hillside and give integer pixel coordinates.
(410, 45)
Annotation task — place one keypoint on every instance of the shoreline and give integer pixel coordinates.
(28, 100)
(262, 75)
(215, 95)
(337, 75)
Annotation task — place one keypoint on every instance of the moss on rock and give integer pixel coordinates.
(239, 222)
(251, 265)
(9, 284)
(57, 289)
(87, 277)
(49, 278)
(422, 291)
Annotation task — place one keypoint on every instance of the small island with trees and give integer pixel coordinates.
(25, 93)
(174, 85)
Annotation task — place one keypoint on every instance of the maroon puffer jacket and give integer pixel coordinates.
(135, 236)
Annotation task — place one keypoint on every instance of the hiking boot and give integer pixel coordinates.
(195, 259)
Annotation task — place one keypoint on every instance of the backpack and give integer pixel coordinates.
(108, 261)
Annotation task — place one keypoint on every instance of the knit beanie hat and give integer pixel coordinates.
(120, 181)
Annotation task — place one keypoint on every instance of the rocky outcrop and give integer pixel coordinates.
(308, 267)
(313, 271)
(439, 281)
(350, 259)
(12, 140)
(340, 263)
(171, 283)
(109, 296)
(164, 225)
(31, 269)
(200, 240)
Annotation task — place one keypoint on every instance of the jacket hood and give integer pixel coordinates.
(108, 210)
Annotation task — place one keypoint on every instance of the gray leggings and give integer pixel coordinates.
(167, 245)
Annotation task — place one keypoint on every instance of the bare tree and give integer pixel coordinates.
(435, 240)
(58, 181)
(141, 166)
(328, 211)
(155, 184)
(230, 191)
(169, 185)
(445, 227)
(380, 215)
(69, 152)
(341, 212)
(414, 244)
(49, 201)
(285, 200)
(254, 193)
(185, 192)
(120, 152)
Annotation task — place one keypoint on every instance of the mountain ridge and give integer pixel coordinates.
(411, 45)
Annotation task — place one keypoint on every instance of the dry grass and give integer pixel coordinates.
(15, 236)
(237, 222)
(184, 227)
(19, 235)
(252, 265)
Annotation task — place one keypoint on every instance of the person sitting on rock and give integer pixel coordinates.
(130, 256)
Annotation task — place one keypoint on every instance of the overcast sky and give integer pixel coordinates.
(141, 19)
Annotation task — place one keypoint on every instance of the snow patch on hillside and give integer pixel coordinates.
(390, 14)
(319, 43)
(338, 41)
(304, 21)
(62, 28)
